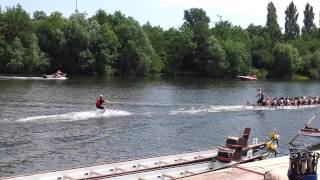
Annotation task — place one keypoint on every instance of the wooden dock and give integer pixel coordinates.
(270, 169)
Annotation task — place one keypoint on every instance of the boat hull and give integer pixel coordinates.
(312, 133)
(63, 77)
(290, 107)
(247, 78)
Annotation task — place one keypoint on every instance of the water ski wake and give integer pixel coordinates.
(76, 116)
(211, 109)
(28, 78)
(228, 108)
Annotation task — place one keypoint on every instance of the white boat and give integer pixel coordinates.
(165, 167)
(287, 107)
(309, 131)
(248, 78)
(53, 76)
(44, 77)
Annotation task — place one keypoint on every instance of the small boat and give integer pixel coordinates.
(310, 131)
(248, 78)
(53, 76)
(307, 131)
(235, 152)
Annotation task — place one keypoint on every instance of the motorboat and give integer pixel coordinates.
(248, 78)
(54, 76)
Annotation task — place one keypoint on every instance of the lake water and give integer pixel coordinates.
(48, 125)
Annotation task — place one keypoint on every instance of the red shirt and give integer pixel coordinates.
(99, 101)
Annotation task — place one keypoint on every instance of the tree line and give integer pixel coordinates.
(114, 44)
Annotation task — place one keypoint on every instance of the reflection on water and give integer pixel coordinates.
(49, 125)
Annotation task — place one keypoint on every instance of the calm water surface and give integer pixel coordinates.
(49, 125)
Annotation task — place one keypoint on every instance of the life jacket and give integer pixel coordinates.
(99, 102)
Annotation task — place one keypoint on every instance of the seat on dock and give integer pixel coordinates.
(246, 133)
(242, 142)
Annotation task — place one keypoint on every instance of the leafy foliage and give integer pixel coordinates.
(292, 29)
(114, 44)
(272, 25)
(309, 27)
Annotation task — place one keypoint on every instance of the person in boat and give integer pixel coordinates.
(296, 101)
(268, 102)
(58, 74)
(311, 101)
(100, 101)
(274, 102)
(260, 96)
(316, 100)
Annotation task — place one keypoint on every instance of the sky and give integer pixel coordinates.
(169, 13)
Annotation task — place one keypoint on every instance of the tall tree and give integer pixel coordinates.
(39, 15)
(238, 58)
(217, 65)
(309, 27)
(101, 16)
(52, 40)
(292, 29)
(136, 54)
(35, 60)
(272, 25)
(17, 23)
(179, 47)
(287, 60)
(198, 22)
(16, 53)
(104, 46)
(80, 58)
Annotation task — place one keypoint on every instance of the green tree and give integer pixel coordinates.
(35, 60)
(179, 47)
(104, 46)
(238, 57)
(217, 65)
(156, 36)
(16, 53)
(314, 63)
(39, 15)
(17, 23)
(292, 29)
(51, 38)
(3, 54)
(101, 17)
(198, 22)
(309, 27)
(272, 25)
(80, 58)
(224, 30)
(136, 54)
(287, 61)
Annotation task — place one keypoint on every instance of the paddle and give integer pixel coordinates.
(304, 127)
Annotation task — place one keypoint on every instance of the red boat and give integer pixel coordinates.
(248, 78)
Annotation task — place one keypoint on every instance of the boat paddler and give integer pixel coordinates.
(58, 74)
(260, 96)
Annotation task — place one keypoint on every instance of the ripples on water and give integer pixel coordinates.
(49, 125)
